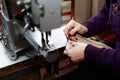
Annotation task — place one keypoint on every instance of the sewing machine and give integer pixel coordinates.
(32, 27)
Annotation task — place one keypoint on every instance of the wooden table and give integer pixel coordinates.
(10, 70)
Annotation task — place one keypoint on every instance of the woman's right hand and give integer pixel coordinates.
(74, 27)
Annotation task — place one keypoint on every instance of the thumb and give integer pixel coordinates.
(65, 52)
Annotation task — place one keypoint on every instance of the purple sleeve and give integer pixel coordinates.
(107, 58)
(99, 22)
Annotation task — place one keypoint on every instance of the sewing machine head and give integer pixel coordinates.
(44, 14)
(31, 22)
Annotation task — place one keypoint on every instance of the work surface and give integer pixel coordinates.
(5, 61)
(8, 67)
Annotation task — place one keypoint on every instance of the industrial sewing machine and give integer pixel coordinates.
(32, 27)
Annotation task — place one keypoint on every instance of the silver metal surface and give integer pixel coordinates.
(32, 25)
(51, 10)
(4, 59)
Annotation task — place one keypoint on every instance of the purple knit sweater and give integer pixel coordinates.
(107, 17)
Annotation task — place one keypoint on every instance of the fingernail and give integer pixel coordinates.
(69, 35)
(76, 38)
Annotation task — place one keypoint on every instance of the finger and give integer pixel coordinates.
(71, 23)
(65, 52)
(74, 43)
(74, 31)
(74, 59)
(81, 31)
(68, 52)
(73, 38)
(66, 31)
(68, 27)
(77, 60)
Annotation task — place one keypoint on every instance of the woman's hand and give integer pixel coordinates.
(74, 27)
(76, 52)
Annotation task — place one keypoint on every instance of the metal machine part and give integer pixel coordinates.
(32, 26)
(12, 38)
(49, 12)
